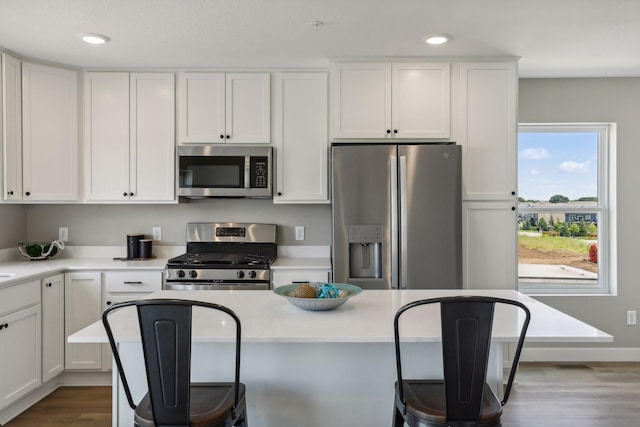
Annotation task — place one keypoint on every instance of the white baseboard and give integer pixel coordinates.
(18, 407)
(79, 378)
(580, 355)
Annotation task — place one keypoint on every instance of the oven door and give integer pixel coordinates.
(205, 285)
(213, 171)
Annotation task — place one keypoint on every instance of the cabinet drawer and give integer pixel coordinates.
(281, 278)
(133, 281)
(19, 296)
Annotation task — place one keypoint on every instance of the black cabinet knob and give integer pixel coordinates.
(11, 193)
(513, 193)
(109, 303)
(131, 194)
(125, 194)
(28, 193)
(388, 130)
(221, 136)
(513, 208)
(228, 136)
(279, 193)
(48, 285)
(395, 131)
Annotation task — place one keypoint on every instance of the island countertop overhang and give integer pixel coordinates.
(367, 317)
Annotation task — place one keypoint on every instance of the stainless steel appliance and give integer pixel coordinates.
(397, 216)
(224, 256)
(224, 171)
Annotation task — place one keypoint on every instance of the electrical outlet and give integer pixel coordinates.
(157, 234)
(299, 232)
(63, 234)
(631, 317)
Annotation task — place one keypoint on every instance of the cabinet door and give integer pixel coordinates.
(300, 138)
(152, 144)
(421, 100)
(361, 100)
(487, 130)
(107, 136)
(52, 326)
(490, 245)
(11, 125)
(248, 117)
(287, 277)
(20, 353)
(49, 133)
(82, 306)
(202, 107)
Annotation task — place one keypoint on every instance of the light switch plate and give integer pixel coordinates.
(157, 234)
(299, 232)
(63, 234)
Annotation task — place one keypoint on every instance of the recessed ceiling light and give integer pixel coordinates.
(436, 38)
(94, 38)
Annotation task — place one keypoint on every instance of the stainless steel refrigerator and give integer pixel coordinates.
(396, 213)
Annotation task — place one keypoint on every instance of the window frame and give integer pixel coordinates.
(606, 198)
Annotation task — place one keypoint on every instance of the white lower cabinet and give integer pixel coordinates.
(20, 341)
(286, 277)
(490, 245)
(52, 326)
(82, 307)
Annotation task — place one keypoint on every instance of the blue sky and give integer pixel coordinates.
(557, 163)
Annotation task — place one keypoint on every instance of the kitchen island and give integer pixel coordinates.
(331, 368)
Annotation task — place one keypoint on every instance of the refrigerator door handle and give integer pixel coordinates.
(393, 177)
(403, 222)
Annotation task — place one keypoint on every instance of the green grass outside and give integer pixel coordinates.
(554, 243)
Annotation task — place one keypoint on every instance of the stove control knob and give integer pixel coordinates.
(180, 273)
(252, 274)
(240, 274)
(193, 274)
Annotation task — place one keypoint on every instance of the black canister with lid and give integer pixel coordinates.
(145, 248)
(133, 245)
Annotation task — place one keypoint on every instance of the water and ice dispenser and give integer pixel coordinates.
(365, 251)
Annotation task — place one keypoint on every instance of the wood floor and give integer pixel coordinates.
(546, 395)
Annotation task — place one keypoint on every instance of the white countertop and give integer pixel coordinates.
(365, 318)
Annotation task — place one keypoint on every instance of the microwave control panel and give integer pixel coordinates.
(259, 173)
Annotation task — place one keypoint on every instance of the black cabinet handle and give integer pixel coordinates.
(28, 193)
(6, 325)
(395, 131)
(11, 193)
(48, 285)
(133, 283)
(388, 130)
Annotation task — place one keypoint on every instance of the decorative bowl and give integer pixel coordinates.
(318, 304)
(40, 250)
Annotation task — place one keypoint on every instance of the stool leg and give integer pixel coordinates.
(398, 419)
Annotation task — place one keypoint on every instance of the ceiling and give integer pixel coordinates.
(553, 38)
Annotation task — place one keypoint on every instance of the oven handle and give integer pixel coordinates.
(222, 286)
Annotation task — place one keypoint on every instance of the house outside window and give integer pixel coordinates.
(566, 241)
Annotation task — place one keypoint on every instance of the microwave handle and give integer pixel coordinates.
(247, 169)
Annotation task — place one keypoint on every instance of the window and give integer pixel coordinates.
(565, 236)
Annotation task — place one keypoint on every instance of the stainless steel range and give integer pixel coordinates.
(224, 256)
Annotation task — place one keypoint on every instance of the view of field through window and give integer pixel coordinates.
(558, 207)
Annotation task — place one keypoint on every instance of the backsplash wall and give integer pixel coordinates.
(13, 226)
(108, 225)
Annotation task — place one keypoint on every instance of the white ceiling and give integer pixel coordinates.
(554, 38)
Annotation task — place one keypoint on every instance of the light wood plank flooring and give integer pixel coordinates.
(546, 395)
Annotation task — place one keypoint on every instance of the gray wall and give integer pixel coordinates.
(97, 225)
(600, 100)
(13, 226)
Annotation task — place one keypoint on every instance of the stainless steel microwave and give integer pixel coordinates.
(225, 171)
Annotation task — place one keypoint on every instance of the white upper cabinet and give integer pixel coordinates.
(129, 136)
(391, 100)
(225, 108)
(49, 133)
(487, 130)
(11, 125)
(300, 138)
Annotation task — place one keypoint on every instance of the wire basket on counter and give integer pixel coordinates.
(40, 250)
